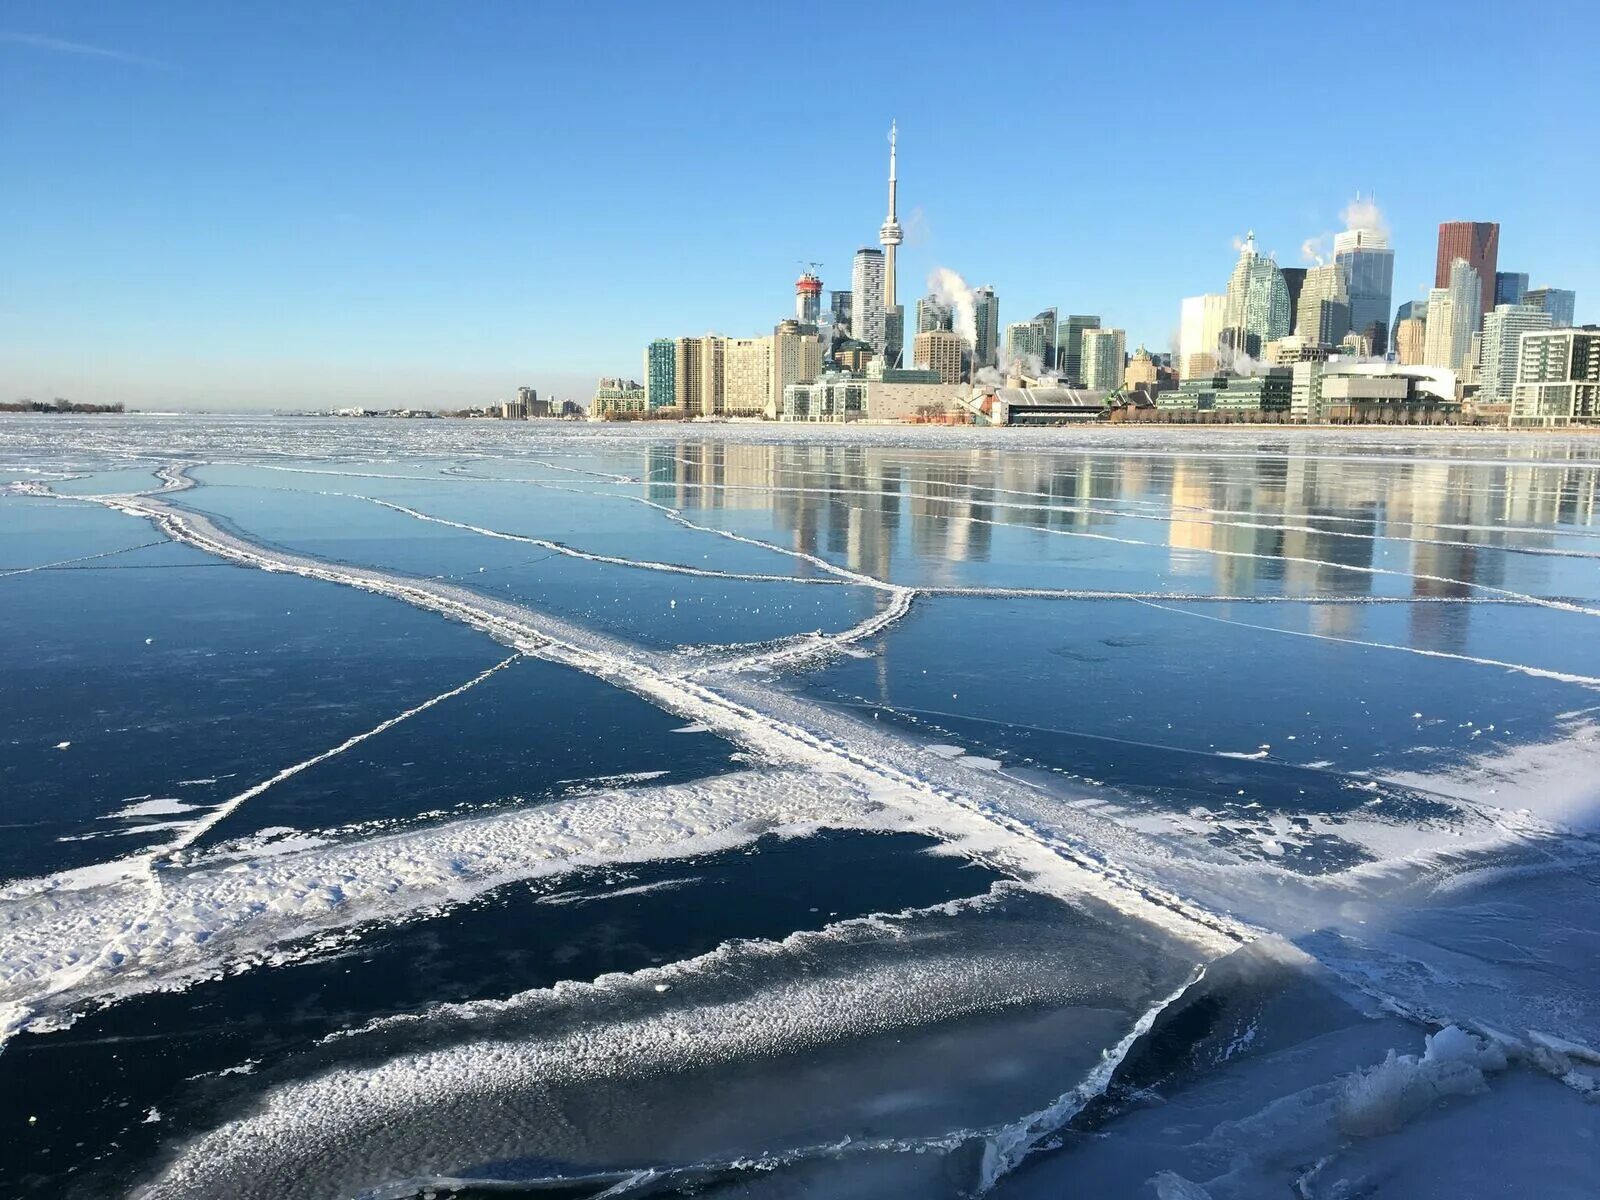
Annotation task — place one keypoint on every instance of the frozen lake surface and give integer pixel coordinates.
(420, 808)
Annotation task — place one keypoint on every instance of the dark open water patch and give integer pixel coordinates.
(89, 1089)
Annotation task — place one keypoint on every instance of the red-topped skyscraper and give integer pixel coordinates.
(1476, 241)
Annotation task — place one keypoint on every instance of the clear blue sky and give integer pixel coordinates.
(228, 205)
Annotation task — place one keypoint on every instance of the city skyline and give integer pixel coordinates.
(231, 240)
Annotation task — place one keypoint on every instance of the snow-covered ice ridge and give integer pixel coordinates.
(161, 920)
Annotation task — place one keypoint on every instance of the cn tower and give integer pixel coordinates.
(890, 236)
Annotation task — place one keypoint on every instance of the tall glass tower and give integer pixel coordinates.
(1366, 260)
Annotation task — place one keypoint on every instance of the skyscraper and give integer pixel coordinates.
(1476, 242)
(1502, 334)
(1199, 328)
(841, 308)
(1560, 303)
(866, 292)
(933, 313)
(1069, 347)
(986, 318)
(808, 299)
(1453, 317)
(1510, 287)
(1324, 305)
(1368, 265)
(1102, 354)
(1294, 278)
(1025, 346)
(699, 371)
(1258, 302)
(1048, 320)
(661, 373)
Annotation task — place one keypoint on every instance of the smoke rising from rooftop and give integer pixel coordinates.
(952, 291)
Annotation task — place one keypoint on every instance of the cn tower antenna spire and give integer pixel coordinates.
(890, 236)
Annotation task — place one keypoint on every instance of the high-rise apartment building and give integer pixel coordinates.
(661, 373)
(1560, 303)
(1025, 346)
(796, 358)
(1324, 305)
(1199, 330)
(1453, 317)
(1558, 377)
(700, 374)
(747, 380)
(1368, 265)
(1047, 320)
(1258, 302)
(986, 319)
(938, 350)
(1069, 347)
(1478, 244)
(1102, 358)
(1510, 287)
(867, 322)
(1497, 349)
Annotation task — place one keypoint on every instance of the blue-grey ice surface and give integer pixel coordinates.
(405, 808)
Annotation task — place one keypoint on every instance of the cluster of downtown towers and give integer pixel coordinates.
(1341, 306)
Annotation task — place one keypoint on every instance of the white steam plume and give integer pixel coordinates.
(952, 291)
(1365, 214)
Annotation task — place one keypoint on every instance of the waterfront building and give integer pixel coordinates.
(797, 355)
(1558, 377)
(986, 319)
(1199, 330)
(617, 397)
(1560, 303)
(1069, 347)
(866, 290)
(808, 299)
(747, 384)
(1499, 348)
(1103, 355)
(939, 350)
(1305, 391)
(1368, 265)
(699, 372)
(842, 397)
(1324, 305)
(661, 373)
(1477, 243)
(1510, 287)
(1258, 302)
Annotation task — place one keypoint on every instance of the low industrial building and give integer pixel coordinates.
(1037, 405)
